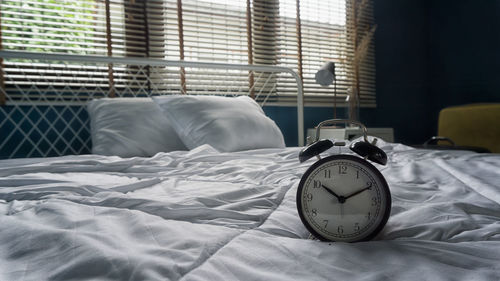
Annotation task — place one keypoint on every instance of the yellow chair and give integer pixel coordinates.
(476, 125)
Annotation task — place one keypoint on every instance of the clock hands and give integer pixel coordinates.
(358, 192)
(341, 198)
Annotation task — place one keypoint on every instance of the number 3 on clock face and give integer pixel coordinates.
(343, 198)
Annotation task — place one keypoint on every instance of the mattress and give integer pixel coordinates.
(206, 215)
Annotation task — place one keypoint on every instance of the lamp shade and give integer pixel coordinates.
(326, 74)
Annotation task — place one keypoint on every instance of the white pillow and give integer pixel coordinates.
(129, 127)
(225, 123)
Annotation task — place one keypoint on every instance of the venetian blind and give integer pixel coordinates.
(80, 27)
(54, 26)
(300, 34)
(85, 27)
(214, 31)
(313, 32)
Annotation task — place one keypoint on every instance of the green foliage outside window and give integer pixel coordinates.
(51, 25)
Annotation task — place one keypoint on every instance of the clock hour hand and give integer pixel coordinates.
(358, 192)
(340, 198)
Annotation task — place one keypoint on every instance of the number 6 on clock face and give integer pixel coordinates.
(343, 198)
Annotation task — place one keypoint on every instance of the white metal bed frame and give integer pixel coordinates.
(47, 110)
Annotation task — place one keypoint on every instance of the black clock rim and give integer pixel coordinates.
(377, 173)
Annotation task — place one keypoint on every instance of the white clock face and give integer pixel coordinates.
(343, 198)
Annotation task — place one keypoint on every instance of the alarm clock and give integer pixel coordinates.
(343, 197)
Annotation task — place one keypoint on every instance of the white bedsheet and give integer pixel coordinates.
(204, 215)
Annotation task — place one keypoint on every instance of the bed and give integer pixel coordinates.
(206, 214)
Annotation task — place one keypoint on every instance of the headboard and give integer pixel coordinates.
(43, 96)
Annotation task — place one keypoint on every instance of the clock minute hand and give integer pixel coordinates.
(340, 198)
(358, 192)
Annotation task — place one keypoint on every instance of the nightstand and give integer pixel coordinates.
(386, 134)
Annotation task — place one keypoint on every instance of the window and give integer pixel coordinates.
(328, 32)
(300, 34)
(77, 27)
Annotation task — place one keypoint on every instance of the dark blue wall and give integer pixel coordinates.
(401, 57)
(464, 44)
(431, 54)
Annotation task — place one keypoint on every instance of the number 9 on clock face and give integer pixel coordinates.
(343, 198)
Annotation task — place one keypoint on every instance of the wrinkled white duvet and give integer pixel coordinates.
(204, 215)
